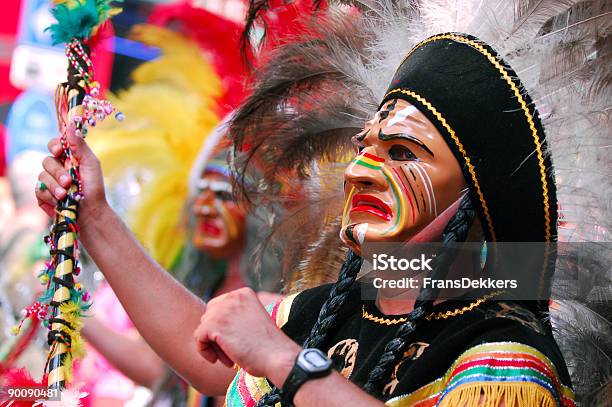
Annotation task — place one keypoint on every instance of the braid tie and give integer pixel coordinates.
(455, 231)
(338, 296)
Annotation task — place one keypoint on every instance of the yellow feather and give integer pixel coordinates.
(169, 112)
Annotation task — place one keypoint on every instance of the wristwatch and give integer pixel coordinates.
(309, 364)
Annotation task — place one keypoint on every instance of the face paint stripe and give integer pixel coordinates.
(426, 185)
(416, 200)
(229, 221)
(401, 115)
(411, 172)
(346, 206)
(368, 165)
(399, 220)
(372, 157)
(407, 193)
(433, 194)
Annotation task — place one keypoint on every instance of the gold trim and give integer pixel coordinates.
(435, 315)
(383, 321)
(457, 311)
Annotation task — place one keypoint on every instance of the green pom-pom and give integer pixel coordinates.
(74, 22)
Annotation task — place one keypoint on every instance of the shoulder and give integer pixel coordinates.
(298, 304)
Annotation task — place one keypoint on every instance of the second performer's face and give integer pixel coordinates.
(220, 222)
(403, 176)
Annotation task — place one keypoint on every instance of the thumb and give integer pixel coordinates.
(80, 150)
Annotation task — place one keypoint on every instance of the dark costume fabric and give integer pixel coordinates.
(466, 349)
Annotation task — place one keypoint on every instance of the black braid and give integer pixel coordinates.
(328, 315)
(337, 298)
(455, 231)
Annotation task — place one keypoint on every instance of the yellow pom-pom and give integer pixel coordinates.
(15, 329)
(44, 279)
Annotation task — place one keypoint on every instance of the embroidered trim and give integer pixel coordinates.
(436, 315)
(492, 364)
(383, 321)
(457, 311)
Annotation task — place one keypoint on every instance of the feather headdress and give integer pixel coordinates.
(314, 91)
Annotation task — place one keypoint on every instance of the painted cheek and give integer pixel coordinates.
(228, 216)
(399, 219)
(428, 186)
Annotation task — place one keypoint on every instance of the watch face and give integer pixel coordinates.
(314, 360)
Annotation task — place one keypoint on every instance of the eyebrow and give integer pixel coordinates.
(403, 136)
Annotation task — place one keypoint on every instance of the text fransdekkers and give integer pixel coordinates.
(384, 262)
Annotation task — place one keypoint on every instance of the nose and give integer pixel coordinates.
(204, 204)
(365, 171)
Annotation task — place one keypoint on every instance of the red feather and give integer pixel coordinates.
(219, 39)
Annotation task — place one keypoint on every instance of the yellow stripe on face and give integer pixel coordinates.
(229, 221)
(346, 206)
(400, 201)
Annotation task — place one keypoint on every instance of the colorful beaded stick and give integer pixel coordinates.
(78, 106)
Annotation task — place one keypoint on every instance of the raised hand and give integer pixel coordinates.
(56, 179)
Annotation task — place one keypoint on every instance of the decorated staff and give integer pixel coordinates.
(78, 107)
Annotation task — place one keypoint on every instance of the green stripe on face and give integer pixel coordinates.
(399, 204)
(365, 164)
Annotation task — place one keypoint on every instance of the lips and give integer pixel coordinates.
(371, 204)
(210, 229)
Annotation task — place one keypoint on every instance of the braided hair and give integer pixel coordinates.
(328, 315)
(455, 231)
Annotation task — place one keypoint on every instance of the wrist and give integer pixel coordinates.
(282, 363)
(92, 218)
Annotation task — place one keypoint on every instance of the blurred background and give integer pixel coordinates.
(30, 68)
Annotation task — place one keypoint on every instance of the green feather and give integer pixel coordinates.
(77, 19)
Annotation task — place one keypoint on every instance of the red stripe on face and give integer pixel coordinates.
(405, 190)
(373, 157)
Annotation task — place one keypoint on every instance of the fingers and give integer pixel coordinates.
(222, 356)
(52, 191)
(207, 352)
(56, 169)
(48, 209)
(55, 147)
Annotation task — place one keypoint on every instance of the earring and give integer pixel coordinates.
(483, 254)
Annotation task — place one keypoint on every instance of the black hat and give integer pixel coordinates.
(493, 128)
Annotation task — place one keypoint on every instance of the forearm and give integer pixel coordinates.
(127, 353)
(164, 312)
(333, 391)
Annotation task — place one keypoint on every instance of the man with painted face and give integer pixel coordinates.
(456, 152)
(218, 223)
